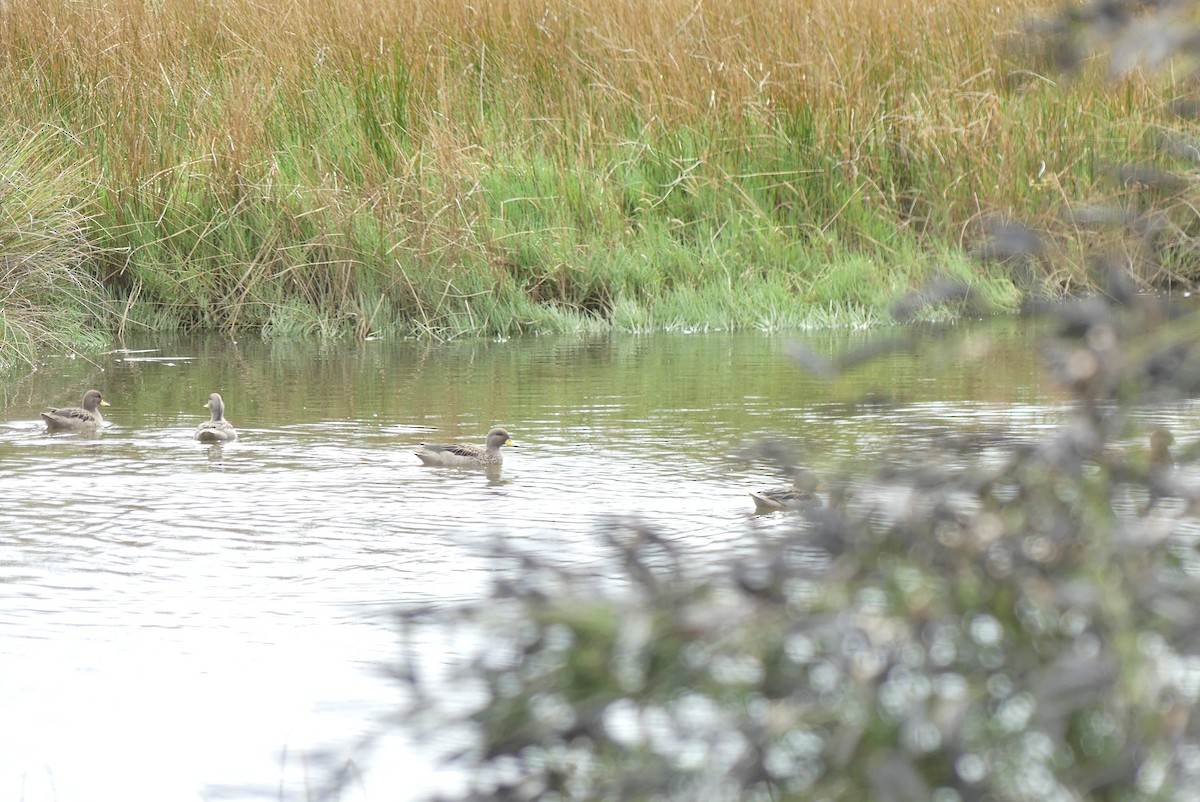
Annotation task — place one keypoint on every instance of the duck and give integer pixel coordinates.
(462, 455)
(1161, 460)
(85, 417)
(217, 430)
(800, 496)
(1160, 467)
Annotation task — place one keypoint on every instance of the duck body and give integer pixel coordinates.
(800, 496)
(1160, 468)
(463, 455)
(216, 430)
(1161, 460)
(85, 417)
(784, 499)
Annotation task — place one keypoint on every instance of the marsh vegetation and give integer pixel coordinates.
(440, 168)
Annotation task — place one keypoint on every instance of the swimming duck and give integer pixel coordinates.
(1161, 441)
(461, 455)
(217, 430)
(800, 496)
(77, 419)
(1160, 467)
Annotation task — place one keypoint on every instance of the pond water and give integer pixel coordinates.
(184, 622)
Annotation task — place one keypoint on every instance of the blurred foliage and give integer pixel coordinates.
(1021, 626)
(1142, 211)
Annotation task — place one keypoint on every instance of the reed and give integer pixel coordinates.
(47, 295)
(437, 168)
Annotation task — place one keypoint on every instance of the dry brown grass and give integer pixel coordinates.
(213, 68)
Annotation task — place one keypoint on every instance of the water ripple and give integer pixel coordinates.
(174, 588)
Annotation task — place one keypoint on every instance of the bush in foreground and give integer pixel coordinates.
(1015, 622)
(1001, 620)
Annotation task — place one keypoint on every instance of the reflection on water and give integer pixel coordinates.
(182, 621)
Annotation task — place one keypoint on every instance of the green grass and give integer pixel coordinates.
(438, 169)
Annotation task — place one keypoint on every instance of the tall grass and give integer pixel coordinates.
(47, 294)
(435, 167)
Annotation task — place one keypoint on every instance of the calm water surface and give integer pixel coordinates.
(186, 622)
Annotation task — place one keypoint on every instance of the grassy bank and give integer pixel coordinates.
(436, 168)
